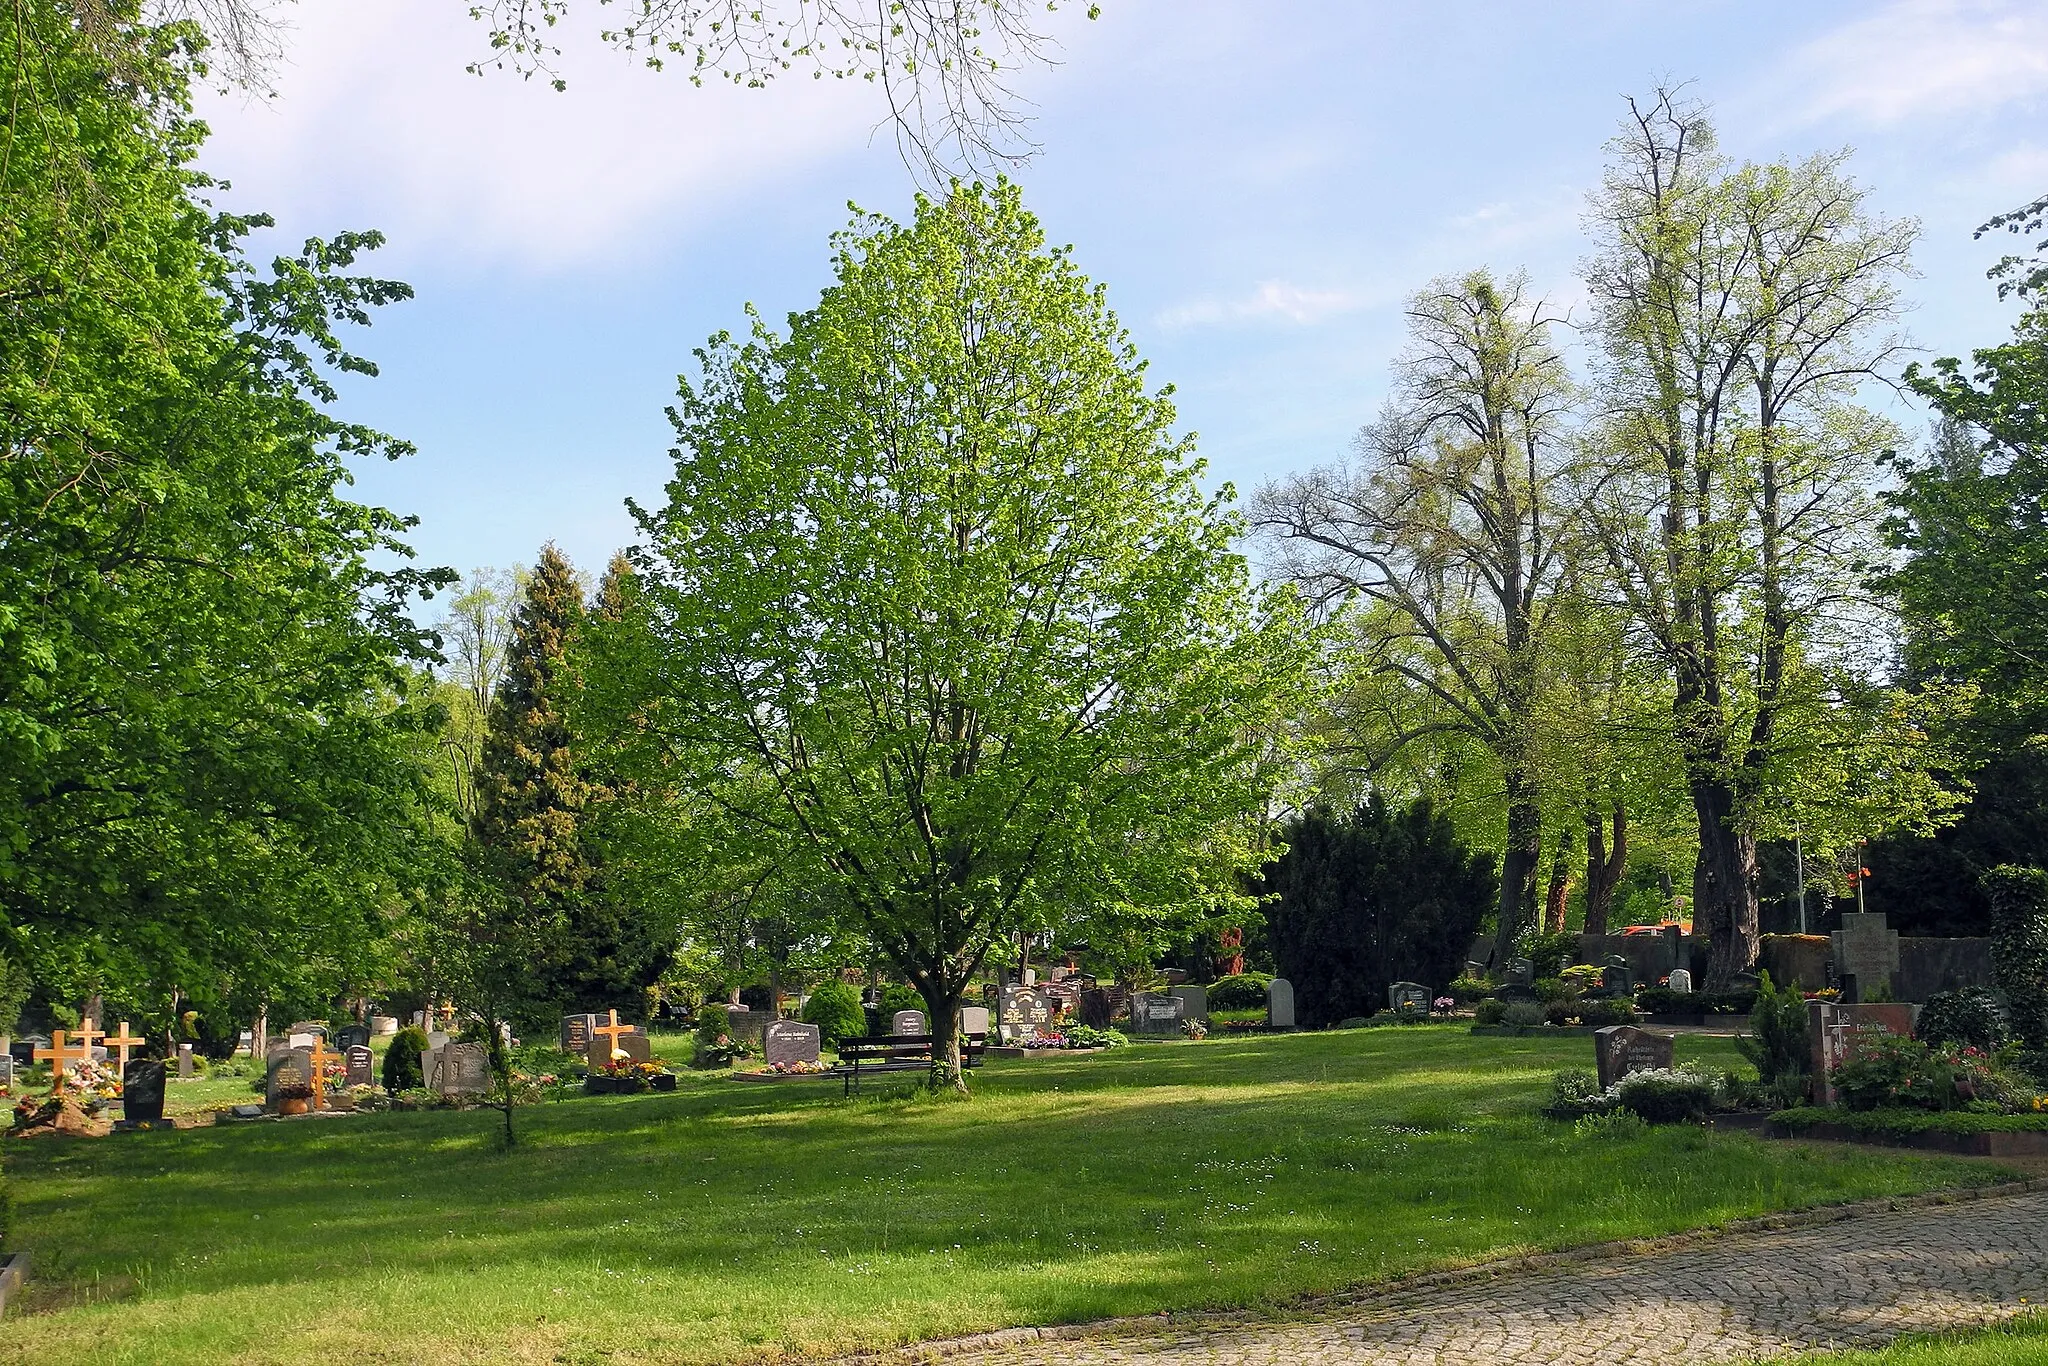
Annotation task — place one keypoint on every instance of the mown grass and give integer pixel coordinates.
(735, 1222)
(2019, 1342)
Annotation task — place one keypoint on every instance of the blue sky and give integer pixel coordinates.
(1258, 184)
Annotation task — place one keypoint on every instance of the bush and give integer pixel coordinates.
(1550, 989)
(1602, 1013)
(1549, 953)
(1970, 1018)
(1776, 1044)
(1666, 1096)
(1245, 991)
(1890, 1072)
(835, 1009)
(2019, 947)
(402, 1060)
(1558, 1012)
(1466, 990)
(713, 1020)
(1622, 1124)
(1522, 1015)
(1574, 1086)
(1489, 1011)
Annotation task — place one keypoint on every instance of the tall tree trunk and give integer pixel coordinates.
(1557, 897)
(1604, 867)
(1724, 885)
(1518, 867)
(942, 1003)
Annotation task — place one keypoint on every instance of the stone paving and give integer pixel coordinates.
(1853, 1282)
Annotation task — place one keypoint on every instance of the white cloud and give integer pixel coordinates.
(1918, 58)
(376, 122)
(1273, 300)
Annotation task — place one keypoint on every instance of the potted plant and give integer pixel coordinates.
(294, 1100)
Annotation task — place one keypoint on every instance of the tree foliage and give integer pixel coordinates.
(939, 626)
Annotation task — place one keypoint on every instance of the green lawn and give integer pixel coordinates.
(2023, 1342)
(747, 1221)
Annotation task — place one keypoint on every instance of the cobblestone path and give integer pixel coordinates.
(1858, 1281)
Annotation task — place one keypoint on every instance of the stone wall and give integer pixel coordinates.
(1930, 965)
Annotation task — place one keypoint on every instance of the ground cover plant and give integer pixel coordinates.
(727, 1222)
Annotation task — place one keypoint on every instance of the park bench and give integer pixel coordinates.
(899, 1053)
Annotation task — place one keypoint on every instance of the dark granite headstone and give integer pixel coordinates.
(1616, 979)
(1408, 998)
(1155, 1013)
(1518, 983)
(1095, 1008)
(1839, 1032)
(350, 1036)
(1621, 1049)
(362, 1065)
(788, 1041)
(142, 1089)
(290, 1068)
(576, 1033)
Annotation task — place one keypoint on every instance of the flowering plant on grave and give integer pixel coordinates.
(1194, 1029)
(1444, 1005)
(793, 1069)
(93, 1081)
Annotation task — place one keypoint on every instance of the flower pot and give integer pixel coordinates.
(295, 1106)
(666, 1082)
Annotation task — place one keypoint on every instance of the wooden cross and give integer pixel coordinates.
(611, 1032)
(319, 1056)
(122, 1042)
(59, 1057)
(87, 1033)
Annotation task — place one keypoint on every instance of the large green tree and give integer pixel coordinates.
(206, 782)
(938, 619)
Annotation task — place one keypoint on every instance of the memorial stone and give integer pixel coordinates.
(1621, 1049)
(1096, 1008)
(576, 1033)
(362, 1065)
(142, 1090)
(351, 1036)
(465, 1069)
(1194, 1001)
(290, 1068)
(1680, 981)
(1408, 998)
(1518, 984)
(1866, 953)
(381, 1025)
(907, 1022)
(1280, 1004)
(1615, 978)
(1840, 1031)
(974, 1020)
(185, 1063)
(788, 1041)
(1155, 1013)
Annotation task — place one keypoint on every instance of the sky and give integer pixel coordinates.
(1259, 185)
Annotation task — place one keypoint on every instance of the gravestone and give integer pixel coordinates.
(465, 1069)
(1280, 1004)
(142, 1090)
(300, 1038)
(6, 1069)
(1408, 998)
(788, 1041)
(1615, 979)
(23, 1050)
(362, 1065)
(1023, 1014)
(352, 1036)
(907, 1022)
(1840, 1031)
(1096, 1008)
(635, 1046)
(1680, 981)
(309, 1027)
(1155, 1013)
(381, 1025)
(292, 1067)
(439, 1038)
(576, 1033)
(185, 1067)
(746, 1025)
(1866, 954)
(430, 1067)
(1194, 1001)
(1621, 1049)
(974, 1020)
(1519, 982)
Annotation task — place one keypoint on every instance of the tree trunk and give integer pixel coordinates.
(1557, 897)
(1724, 885)
(501, 1067)
(1518, 867)
(1604, 867)
(944, 1024)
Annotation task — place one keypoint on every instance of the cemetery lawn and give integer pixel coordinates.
(2023, 1340)
(739, 1222)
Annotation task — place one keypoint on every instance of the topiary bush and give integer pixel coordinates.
(402, 1060)
(1970, 1018)
(2019, 947)
(835, 1009)
(1245, 991)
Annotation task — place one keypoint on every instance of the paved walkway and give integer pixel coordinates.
(1858, 1281)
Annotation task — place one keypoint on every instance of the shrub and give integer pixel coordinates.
(402, 1060)
(1606, 1012)
(1245, 991)
(713, 1021)
(1550, 989)
(1776, 1044)
(1970, 1018)
(1665, 1001)
(1573, 1086)
(1663, 1096)
(1558, 1012)
(835, 1009)
(2019, 947)
(1464, 990)
(1489, 1011)
(1549, 953)
(1522, 1015)
(1581, 977)
(1890, 1071)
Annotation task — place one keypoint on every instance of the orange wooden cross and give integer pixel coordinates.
(88, 1034)
(59, 1057)
(611, 1033)
(122, 1042)
(319, 1056)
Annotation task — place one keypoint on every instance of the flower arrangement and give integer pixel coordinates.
(1444, 1005)
(94, 1082)
(1194, 1029)
(623, 1076)
(792, 1069)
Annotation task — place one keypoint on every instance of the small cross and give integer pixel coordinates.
(122, 1042)
(88, 1033)
(59, 1057)
(319, 1056)
(612, 1030)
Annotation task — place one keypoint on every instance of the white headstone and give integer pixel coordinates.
(1280, 1004)
(1680, 980)
(974, 1019)
(383, 1024)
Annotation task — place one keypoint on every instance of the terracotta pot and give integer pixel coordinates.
(294, 1107)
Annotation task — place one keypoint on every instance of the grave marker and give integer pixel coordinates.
(1154, 1013)
(122, 1042)
(317, 1059)
(576, 1033)
(1519, 982)
(60, 1056)
(1616, 979)
(1194, 1001)
(288, 1070)
(907, 1022)
(1280, 1004)
(1866, 952)
(1621, 1049)
(789, 1041)
(142, 1090)
(1680, 981)
(974, 1020)
(351, 1036)
(1839, 1031)
(185, 1068)
(465, 1069)
(362, 1065)
(610, 1033)
(1408, 998)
